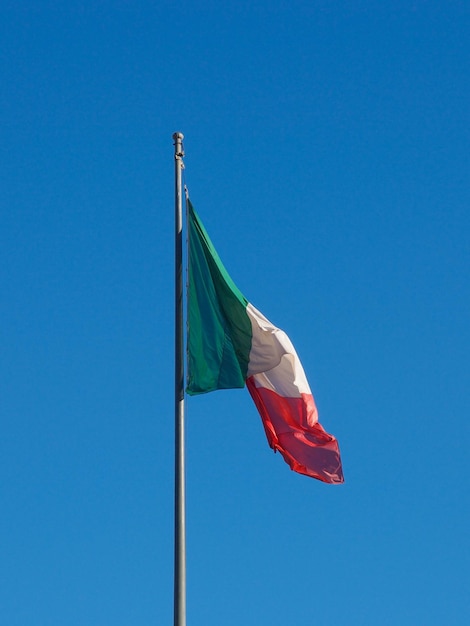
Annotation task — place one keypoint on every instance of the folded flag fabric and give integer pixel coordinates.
(230, 344)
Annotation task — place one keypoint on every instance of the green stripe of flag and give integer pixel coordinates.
(219, 330)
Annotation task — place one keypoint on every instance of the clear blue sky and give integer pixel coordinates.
(327, 153)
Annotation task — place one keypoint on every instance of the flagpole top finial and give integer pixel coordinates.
(179, 150)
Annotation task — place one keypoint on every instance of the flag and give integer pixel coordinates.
(230, 344)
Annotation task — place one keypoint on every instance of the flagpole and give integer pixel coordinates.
(180, 526)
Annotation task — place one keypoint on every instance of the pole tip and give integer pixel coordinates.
(177, 136)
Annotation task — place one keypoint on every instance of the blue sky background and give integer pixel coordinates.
(327, 153)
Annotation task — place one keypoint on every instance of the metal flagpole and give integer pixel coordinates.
(180, 534)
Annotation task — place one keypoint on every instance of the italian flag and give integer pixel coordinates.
(230, 344)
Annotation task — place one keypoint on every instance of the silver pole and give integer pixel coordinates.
(180, 525)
